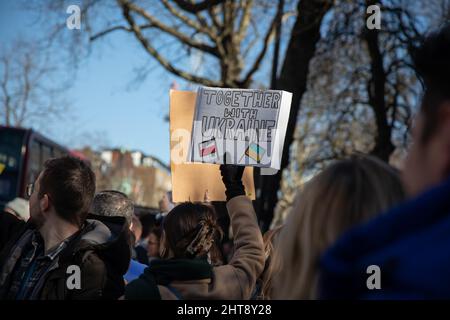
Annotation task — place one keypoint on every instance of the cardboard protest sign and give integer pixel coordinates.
(248, 125)
(190, 181)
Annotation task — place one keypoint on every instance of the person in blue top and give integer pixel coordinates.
(135, 270)
(404, 253)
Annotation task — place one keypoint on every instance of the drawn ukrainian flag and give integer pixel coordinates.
(255, 152)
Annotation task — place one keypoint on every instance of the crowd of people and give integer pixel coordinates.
(358, 212)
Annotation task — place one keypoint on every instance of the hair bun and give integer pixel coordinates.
(207, 231)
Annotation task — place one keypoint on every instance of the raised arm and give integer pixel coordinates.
(247, 262)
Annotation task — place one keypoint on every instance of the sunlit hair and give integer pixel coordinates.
(346, 193)
(272, 263)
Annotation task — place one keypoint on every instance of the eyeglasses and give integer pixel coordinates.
(29, 190)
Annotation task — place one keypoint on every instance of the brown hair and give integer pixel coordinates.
(136, 227)
(191, 231)
(346, 193)
(70, 184)
(156, 231)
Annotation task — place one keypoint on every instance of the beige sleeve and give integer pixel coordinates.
(236, 280)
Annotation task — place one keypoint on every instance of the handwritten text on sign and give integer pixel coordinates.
(240, 113)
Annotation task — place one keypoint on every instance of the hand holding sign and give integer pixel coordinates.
(232, 179)
(193, 181)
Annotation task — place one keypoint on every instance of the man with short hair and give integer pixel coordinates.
(409, 245)
(113, 203)
(116, 204)
(39, 261)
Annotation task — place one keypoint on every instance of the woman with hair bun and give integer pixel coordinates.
(191, 265)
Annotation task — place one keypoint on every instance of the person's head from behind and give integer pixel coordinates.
(165, 203)
(113, 203)
(154, 238)
(62, 192)
(346, 193)
(428, 162)
(136, 228)
(148, 222)
(190, 230)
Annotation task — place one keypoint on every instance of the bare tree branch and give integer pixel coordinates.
(213, 15)
(27, 94)
(169, 30)
(6, 95)
(245, 19)
(269, 34)
(197, 7)
(153, 52)
(199, 28)
(109, 30)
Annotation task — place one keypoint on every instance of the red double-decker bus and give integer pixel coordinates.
(22, 156)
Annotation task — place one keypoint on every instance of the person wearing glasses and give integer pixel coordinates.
(61, 253)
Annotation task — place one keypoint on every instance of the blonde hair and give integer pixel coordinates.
(272, 264)
(346, 193)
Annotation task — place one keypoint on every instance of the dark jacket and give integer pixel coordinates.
(141, 255)
(9, 226)
(410, 244)
(102, 251)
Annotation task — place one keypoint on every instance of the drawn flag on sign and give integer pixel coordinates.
(208, 148)
(255, 152)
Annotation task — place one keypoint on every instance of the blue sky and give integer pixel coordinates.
(107, 107)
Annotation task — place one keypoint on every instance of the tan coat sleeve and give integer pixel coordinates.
(236, 280)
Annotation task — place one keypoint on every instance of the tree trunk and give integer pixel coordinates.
(376, 93)
(293, 78)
